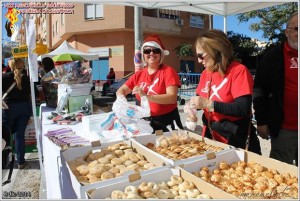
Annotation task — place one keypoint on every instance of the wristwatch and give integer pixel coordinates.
(211, 106)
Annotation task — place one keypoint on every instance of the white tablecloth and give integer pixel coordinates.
(58, 183)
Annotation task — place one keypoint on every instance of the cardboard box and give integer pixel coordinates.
(212, 161)
(76, 103)
(163, 174)
(145, 139)
(73, 153)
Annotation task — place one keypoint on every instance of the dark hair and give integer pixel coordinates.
(48, 64)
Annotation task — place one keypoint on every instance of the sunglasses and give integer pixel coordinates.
(293, 28)
(201, 55)
(155, 51)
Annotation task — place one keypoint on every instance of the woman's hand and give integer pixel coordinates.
(200, 102)
(138, 90)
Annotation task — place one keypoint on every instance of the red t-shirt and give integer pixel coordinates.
(290, 101)
(236, 82)
(155, 84)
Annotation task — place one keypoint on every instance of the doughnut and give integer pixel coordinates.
(144, 187)
(133, 196)
(107, 175)
(116, 161)
(153, 186)
(140, 156)
(186, 185)
(149, 166)
(114, 170)
(203, 196)
(163, 194)
(148, 194)
(175, 179)
(131, 189)
(118, 152)
(192, 193)
(103, 160)
(117, 194)
(109, 156)
(94, 179)
(114, 147)
(142, 163)
(128, 162)
(173, 193)
(83, 170)
(180, 197)
(133, 157)
(162, 185)
(93, 163)
(96, 171)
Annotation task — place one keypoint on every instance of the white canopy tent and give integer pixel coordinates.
(211, 7)
(65, 47)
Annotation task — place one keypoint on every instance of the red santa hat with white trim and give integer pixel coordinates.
(154, 41)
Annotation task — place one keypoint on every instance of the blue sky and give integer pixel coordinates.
(234, 25)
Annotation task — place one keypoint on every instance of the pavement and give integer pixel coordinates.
(29, 183)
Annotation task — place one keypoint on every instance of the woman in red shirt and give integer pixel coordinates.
(225, 93)
(158, 82)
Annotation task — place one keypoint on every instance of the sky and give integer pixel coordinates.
(240, 28)
(232, 25)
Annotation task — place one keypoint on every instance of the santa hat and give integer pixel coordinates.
(154, 41)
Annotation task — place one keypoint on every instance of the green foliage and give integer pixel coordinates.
(184, 50)
(243, 46)
(271, 21)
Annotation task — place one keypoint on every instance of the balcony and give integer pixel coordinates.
(160, 25)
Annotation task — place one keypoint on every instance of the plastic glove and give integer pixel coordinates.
(138, 90)
(200, 102)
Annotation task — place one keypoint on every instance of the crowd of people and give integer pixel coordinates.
(226, 93)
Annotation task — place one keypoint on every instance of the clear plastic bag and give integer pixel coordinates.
(191, 116)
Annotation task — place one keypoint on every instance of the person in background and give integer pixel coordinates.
(224, 93)
(48, 64)
(110, 79)
(19, 110)
(41, 71)
(5, 69)
(275, 98)
(158, 82)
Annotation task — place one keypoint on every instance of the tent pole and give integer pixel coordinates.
(138, 34)
(225, 24)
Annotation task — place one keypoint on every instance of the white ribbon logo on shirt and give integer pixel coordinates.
(215, 89)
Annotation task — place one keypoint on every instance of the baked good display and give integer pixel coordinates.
(177, 147)
(108, 163)
(175, 188)
(251, 181)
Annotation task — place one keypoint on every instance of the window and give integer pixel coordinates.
(93, 11)
(169, 14)
(197, 21)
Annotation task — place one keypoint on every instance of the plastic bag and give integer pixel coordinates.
(127, 111)
(191, 118)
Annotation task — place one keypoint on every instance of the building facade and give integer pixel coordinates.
(108, 30)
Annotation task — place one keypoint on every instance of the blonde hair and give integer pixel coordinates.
(17, 66)
(216, 44)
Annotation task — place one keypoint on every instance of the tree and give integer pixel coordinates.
(242, 45)
(271, 20)
(184, 50)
